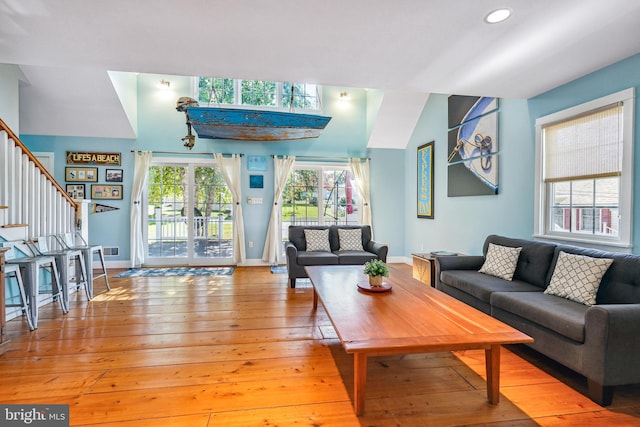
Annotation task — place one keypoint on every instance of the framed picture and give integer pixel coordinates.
(472, 168)
(113, 175)
(256, 181)
(76, 191)
(257, 163)
(101, 191)
(425, 180)
(80, 174)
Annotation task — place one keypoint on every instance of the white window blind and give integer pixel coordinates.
(585, 146)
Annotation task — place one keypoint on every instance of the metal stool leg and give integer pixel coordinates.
(14, 271)
(104, 267)
(81, 275)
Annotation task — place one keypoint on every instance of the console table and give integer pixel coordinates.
(424, 267)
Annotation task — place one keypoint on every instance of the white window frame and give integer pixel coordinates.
(237, 94)
(321, 167)
(543, 200)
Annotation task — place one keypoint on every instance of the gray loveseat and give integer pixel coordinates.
(601, 342)
(298, 257)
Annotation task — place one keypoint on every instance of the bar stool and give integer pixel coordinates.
(67, 241)
(13, 271)
(31, 266)
(63, 259)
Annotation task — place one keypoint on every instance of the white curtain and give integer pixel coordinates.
(231, 168)
(273, 242)
(142, 162)
(360, 171)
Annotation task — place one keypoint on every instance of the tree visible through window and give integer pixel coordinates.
(215, 90)
(322, 195)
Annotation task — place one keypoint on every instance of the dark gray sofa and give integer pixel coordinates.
(601, 342)
(298, 257)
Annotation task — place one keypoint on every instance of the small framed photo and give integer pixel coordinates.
(81, 174)
(113, 175)
(76, 191)
(113, 192)
(256, 181)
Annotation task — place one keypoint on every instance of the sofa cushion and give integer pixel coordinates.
(317, 240)
(355, 257)
(296, 234)
(350, 240)
(621, 282)
(560, 315)
(317, 258)
(534, 261)
(577, 277)
(501, 261)
(481, 285)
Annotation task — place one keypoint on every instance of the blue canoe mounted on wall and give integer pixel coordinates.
(254, 125)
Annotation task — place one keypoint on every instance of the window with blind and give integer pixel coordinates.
(584, 181)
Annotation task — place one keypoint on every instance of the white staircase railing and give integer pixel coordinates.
(29, 193)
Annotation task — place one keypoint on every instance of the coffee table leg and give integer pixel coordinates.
(492, 360)
(315, 299)
(359, 381)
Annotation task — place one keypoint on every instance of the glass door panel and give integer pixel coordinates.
(188, 216)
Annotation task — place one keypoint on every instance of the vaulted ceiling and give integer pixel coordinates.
(65, 48)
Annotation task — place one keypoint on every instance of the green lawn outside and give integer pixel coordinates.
(301, 211)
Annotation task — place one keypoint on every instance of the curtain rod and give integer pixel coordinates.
(187, 152)
(323, 157)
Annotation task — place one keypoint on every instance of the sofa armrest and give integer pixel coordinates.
(460, 262)
(291, 251)
(380, 249)
(612, 331)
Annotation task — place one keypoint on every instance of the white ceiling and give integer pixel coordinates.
(65, 47)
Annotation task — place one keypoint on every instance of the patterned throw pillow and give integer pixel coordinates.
(577, 277)
(317, 240)
(350, 240)
(501, 261)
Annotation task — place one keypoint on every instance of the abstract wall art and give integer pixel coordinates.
(472, 146)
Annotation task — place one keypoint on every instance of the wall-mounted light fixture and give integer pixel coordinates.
(164, 84)
(344, 96)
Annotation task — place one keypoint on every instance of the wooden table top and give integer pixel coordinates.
(411, 318)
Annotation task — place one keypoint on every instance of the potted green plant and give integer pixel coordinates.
(376, 270)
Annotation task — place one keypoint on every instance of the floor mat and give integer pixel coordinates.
(177, 271)
(279, 269)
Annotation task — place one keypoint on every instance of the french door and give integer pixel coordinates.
(189, 215)
(320, 195)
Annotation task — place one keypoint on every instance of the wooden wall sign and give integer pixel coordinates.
(88, 158)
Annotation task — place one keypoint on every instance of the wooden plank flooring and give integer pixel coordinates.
(247, 350)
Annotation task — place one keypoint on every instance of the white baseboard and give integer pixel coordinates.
(255, 262)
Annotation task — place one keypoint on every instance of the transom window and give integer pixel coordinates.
(585, 172)
(259, 93)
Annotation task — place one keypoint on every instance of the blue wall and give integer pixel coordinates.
(161, 127)
(460, 223)
(622, 75)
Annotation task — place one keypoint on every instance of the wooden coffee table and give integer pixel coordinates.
(411, 318)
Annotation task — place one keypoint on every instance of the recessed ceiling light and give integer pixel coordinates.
(497, 15)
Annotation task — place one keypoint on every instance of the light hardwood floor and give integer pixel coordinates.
(248, 350)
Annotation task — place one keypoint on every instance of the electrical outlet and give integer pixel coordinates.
(250, 243)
